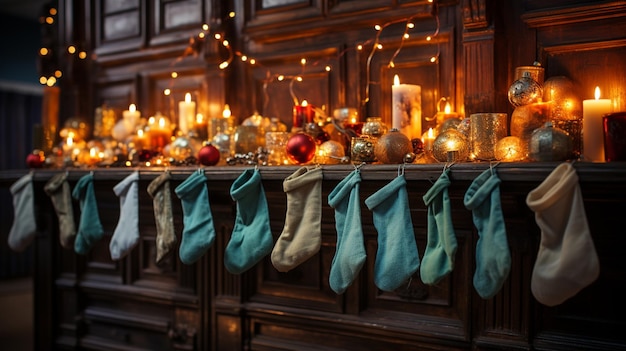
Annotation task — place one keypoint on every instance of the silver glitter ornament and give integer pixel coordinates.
(525, 91)
(330, 152)
(550, 144)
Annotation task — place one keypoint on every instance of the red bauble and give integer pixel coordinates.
(208, 155)
(300, 148)
(35, 159)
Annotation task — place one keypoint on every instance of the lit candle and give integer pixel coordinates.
(428, 139)
(302, 114)
(159, 132)
(201, 127)
(186, 114)
(406, 104)
(131, 118)
(229, 126)
(141, 142)
(593, 138)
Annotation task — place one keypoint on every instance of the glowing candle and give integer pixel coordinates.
(159, 132)
(186, 114)
(302, 114)
(593, 137)
(406, 104)
(201, 127)
(131, 118)
(428, 139)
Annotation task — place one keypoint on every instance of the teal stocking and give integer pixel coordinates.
(90, 229)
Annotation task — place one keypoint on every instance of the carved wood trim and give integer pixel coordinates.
(568, 15)
(475, 14)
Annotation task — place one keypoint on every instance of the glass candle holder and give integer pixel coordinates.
(485, 131)
(275, 144)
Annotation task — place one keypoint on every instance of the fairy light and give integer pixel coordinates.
(174, 75)
(82, 55)
(58, 73)
(50, 20)
(167, 92)
(52, 11)
(71, 49)
(43, 51)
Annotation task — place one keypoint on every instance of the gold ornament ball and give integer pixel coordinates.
(525, 119)
(450, 141)
(510, 149)
(392, 147)
(330, 152)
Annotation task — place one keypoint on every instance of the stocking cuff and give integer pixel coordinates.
(303, 176)
(383, 194)
(441, 183)
(53, 185)
(21, 183)
(191, 183)
(246, 183)
(121, 187)
(344, 188)
(81, 186)
(481, 189)
(154, 186)
(559, 183)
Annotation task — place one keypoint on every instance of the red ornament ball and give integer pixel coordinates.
(35, 159)
(300, 148)
(208, 155)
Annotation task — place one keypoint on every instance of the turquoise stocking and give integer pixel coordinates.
(438, 260)
(198, 230)
(90, 229)
(350, 252)
(251, 239)
(397, 257)
(493, 258)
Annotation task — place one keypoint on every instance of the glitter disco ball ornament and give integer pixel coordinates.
(550, 144)
(392, 147)
(330, 152)
(525, 91)
(180, 149)
(300, 148)
(450, 142)
(510, 149)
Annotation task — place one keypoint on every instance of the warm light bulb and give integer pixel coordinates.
(225, 43)
(201, 35)
(597, 93)
(71, 49)
(377, 27)
(217, 36)
(231, 14)
(43, 51)
(327, 68)
(226, 113)
(406, 35)
(303, 61)
(244, 58)
(429, 38)
(167, 92)
(51, 81)
(359, 47)
(280, 78)
(174, 74)
(53, 11)
(299, 79)
(205, 27)
(43, 80)
(379, 46)
(58, 73)
(396, 80)
(433, 59)
(49, 20)
(223, 65)
(252, 61)
(410, 25)
(82, 55)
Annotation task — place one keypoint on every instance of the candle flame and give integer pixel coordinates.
(353, 120)
(132, 108)
(597, 93)
(92, 152)
(70, 140)
(447, 109)
(162, 122)
(140, 133)
(304, 103)
(430, 133)
(199, 118)
(396, 80)
(226, 113)
(188, 98)
(151, 120)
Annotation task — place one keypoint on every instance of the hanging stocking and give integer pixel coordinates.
(251, 239)
(438, 260)
(493, 258)
(350, 252)
(24, 227)
(397, 257)
(301, 236)
(59, 191)
(126, 234)
(89, 228)
(567, 261)
(159, 190)
(198, 230)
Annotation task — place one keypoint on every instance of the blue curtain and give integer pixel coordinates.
(19, 112)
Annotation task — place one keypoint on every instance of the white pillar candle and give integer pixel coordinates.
(593, 137)
(186, 114)
(406, 113)
(131, 118)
